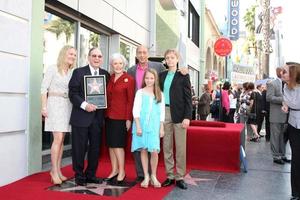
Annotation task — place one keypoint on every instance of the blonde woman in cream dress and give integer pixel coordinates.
(56, 106)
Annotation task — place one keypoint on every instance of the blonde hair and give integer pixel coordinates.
(156, 89)
(174, 51)
(62, 56)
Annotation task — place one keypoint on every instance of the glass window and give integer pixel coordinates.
(193, 30)
(194, 79)
(129, 52)
(90, 39)
(57, 33)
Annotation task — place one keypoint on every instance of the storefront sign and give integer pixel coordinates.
(234, 19)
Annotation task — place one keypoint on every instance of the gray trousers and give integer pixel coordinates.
(277, 140)
(138, 164)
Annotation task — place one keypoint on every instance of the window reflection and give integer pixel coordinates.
(129, 52)
(90, 39)
(57, 33)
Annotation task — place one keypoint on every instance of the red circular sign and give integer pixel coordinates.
(223, 47)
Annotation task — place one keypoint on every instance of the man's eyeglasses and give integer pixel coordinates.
(96, 56)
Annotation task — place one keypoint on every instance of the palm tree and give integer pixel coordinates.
(266, 47)
(249, 19)
(94, 39)
(59, 26)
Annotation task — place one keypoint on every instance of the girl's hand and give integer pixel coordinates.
(44, 112)
(128, 124)
(185, 123)
(161, 130)
(139, 131)
(161, 133)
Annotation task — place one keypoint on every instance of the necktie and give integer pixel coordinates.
(95, 73)
(282, 88)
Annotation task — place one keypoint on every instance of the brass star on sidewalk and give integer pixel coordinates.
(96, 188)
(104, 189)
(192, 181)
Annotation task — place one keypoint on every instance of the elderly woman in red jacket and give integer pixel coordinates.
(120, 95)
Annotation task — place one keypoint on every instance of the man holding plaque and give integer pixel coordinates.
(86, 117)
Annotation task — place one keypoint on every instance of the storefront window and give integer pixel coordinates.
(194, 79)
(129, 52)
(57, 33)
(90, 39)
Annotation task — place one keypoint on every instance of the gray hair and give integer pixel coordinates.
(115, 56)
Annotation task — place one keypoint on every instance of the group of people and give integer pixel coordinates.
(152, 101)
(276, 103)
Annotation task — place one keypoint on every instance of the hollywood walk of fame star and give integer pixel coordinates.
(94, 87)
(97, 189)
(192, 181)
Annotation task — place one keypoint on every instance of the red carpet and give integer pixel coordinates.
(210, 146)
(34, 187)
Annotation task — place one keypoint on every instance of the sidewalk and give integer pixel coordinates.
(264, 180)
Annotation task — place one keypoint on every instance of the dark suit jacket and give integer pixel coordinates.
(275, 97)
(158, 66)
(180, 96)
(80, 117)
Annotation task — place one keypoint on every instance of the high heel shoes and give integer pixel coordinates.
(121, 181)
(111, 178)
(62, 177)
(145, 182)
(155, 182)
(55, 179)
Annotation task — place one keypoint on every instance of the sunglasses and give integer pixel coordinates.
(96, 56)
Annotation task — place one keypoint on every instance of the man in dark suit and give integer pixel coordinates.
(86, 121)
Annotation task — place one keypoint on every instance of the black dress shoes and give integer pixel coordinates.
(285, 159)
(139, 179)
(80, 181)
(278, 161)
(111, 178)
(181, 184)
(168, 182)
(94, 180)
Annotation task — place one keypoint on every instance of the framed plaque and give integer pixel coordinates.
(95, 90)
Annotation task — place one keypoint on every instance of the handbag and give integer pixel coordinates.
(252, 116)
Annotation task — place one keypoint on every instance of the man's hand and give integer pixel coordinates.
(44, 112)
(183, 70)
(285, 108)
(90, 108)
(185, 123)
